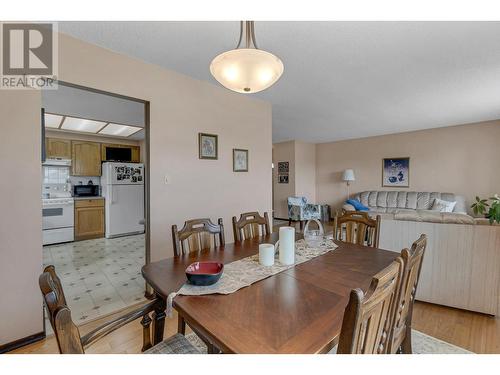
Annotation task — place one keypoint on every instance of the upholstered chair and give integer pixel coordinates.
(299, 210)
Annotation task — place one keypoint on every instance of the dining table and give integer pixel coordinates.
(299, 310)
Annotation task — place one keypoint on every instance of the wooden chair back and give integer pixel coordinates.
(358, 228)
(66, 332)
(250, 225)
(368, 319)
(196, 235)
(401, 331)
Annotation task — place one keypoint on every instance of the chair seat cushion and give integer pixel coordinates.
(177, 344)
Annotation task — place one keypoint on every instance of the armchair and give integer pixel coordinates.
(299, 210)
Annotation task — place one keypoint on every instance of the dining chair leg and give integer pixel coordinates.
(146, 332)
(212, 349)
(181, 325)
(406, 345)
(159, 321)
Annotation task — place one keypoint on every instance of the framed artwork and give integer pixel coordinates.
(240, 160)
(283, 178)
(283, 167)
(207, 144)
(396, 172)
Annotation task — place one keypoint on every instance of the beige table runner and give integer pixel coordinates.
(246, 271)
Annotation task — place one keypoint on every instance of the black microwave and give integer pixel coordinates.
(86, 190)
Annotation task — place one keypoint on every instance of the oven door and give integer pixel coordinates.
(58, 215)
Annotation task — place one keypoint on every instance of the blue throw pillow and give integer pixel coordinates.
(357, 205)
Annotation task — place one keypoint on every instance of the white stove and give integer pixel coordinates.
(58, 219)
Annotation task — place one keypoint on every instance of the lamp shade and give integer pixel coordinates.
(348, 175)
(246, 70)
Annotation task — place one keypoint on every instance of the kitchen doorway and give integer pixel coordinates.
(95, 195)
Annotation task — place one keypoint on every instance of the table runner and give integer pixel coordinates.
(246, 271)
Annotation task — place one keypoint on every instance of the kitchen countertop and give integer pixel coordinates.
(87, 198)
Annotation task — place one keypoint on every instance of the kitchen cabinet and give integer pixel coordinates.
(134, 150)
(86, 158)
(89, 219)
(58, 148)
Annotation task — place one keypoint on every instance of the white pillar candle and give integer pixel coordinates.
(287, 245)
(266, 254)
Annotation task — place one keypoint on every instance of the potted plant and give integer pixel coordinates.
(480, 206)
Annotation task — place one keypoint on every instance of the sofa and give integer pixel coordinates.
(412, 206)
(461, 266)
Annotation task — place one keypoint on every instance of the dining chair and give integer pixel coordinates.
(367, 321)
(400, 338)
(250, 225)
(358, 228)
(69, 340)
(196, 235)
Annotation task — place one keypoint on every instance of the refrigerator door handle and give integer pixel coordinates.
(111, 194)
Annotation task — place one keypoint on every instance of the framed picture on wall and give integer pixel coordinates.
(396, 172)
(240, 160)
(207, 145)
(283, 179)
(283, 167)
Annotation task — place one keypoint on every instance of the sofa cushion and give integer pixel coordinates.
(408, 199)
(443, 206)
(430, 216)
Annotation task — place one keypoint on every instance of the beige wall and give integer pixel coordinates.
(305, 170)
(460, 159)
(283, 151)
(302, 175)
(21, 220)
(180, 108)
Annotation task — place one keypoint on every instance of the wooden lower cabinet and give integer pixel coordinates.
(89, 219)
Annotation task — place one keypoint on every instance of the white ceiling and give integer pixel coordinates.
(342, 79)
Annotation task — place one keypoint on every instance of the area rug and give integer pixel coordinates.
(422, 344)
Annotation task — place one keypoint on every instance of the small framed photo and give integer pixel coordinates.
(283, 167)
(240, 160)
(283, 179)
(207, 144)
(396, 172)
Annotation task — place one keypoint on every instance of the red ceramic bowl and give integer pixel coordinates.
(204, 273)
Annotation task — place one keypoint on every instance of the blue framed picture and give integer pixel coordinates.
(396, 172)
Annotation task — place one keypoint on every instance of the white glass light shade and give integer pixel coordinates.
(52, 121)
(119, 130)
(246, 70)
(82, 125)
(348, 175)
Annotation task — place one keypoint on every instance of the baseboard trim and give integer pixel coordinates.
(21, 342)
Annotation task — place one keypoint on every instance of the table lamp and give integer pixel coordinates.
(348, 177)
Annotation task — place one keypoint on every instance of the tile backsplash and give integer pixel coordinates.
(55, 175)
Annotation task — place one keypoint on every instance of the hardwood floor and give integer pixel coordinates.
(475, 332)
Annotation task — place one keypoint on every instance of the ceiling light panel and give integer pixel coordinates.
(52, 121)
(119, 130)
(82, 125)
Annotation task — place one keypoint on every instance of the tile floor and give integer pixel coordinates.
(99, 276)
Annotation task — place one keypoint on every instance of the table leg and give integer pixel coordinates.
(181, 325)
(159, 321)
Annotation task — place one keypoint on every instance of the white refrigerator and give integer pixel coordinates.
(123, 191)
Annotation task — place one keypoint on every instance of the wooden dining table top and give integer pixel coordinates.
(299, 310)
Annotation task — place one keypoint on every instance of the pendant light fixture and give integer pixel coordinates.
(246, 69)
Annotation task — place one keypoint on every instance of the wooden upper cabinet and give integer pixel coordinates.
(58, 148)
(135, 151)
(86, 158)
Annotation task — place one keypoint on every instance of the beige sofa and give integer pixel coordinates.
(461, 266)
(413, 206)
